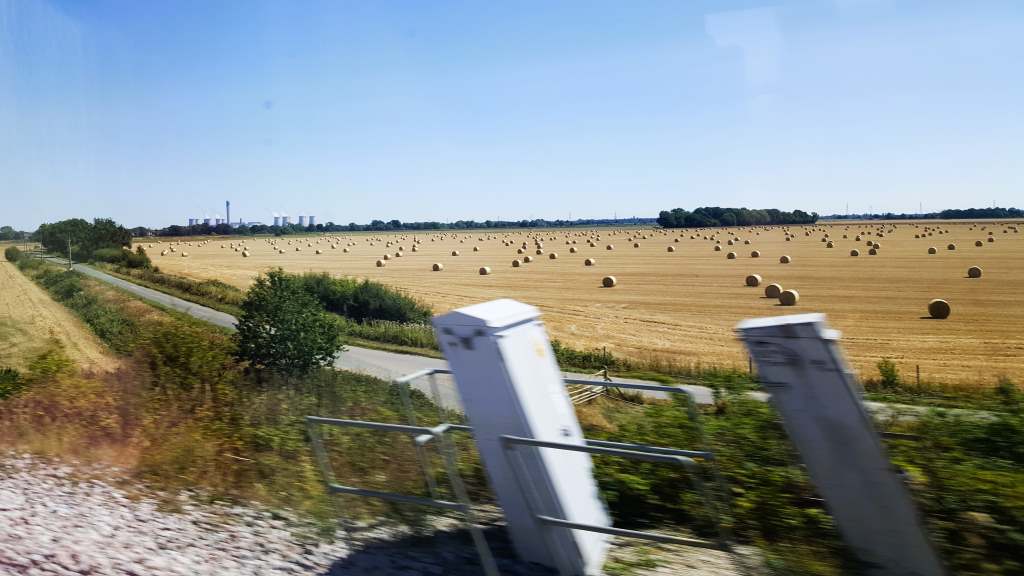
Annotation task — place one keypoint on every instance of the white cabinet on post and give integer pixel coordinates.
(510, 385)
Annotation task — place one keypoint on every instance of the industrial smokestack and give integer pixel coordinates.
(227, 210)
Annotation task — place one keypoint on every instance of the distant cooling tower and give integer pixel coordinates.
(302, 220)
(312, 220)
(207, 221)
(286, 220)
(277, 220)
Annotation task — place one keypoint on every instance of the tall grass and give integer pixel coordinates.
(210, 293)
(112, 324)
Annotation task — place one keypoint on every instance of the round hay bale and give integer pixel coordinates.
(572, 249)
(280, 251)
(830, 244)
(939, 309)
(671, 248)
(539, 252)
(854, 252)
(718, 248)
(527, 259)
(476, 248)
(753, 280)
(772, 290)
(873, 252)
(437, 267)
(731, 255)
(951, 247)
(589, 262)
(784, 259)
(974, 272)
(789, 297)
(553, 256)
(344, 250)
(755, 254)
(610, 247)
(730, 242)
(609, 281)
(485, 270)
(876, 246)
(933, 250)
(519, 250)
(455, 252)
(163, 252)
(746, 242)
(381, 263)
(979, 243)
(991, 239)
(516, 263)
(636, 244)
(321, 252)
(184, 254)
(387, 256)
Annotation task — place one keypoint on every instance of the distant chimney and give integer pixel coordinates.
(227, 209)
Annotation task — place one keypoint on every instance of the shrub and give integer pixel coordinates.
(284, 329)
(13, 254)
(123, 257)
(364, 300)
(889, 374)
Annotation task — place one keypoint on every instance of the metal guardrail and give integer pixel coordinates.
(424, 435)
(509, 444)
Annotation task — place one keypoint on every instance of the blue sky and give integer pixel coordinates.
(152, 112)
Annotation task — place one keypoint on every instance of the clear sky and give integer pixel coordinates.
(152, 112)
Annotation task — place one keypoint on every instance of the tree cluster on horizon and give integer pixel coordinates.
(949, 214)
(714, 216)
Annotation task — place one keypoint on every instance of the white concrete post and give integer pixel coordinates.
(510, 384)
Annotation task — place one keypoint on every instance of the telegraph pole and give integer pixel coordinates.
(71, 263)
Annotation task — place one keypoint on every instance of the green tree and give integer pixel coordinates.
(284, 329)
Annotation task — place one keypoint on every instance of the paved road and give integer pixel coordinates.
(385, 365)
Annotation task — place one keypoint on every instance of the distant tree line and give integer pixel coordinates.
(382, 226)
(712, 216)
(8, 233)
(951, 214)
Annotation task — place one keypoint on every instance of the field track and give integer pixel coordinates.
(682, 305)
(30, 320)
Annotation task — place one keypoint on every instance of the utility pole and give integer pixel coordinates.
(71, 263)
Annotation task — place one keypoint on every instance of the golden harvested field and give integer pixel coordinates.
(30, 321)
(683, 305)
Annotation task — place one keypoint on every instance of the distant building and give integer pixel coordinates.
(207, 221)
(286, 220)
(312, 220)
(277, 220)
(302, 221)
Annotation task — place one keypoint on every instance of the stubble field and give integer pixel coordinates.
(682, 305)
(30, 322)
